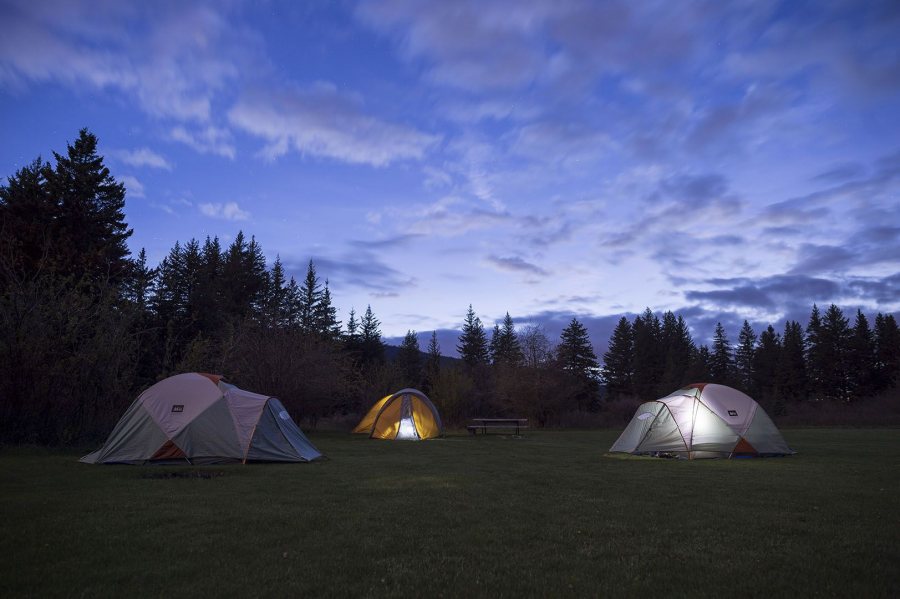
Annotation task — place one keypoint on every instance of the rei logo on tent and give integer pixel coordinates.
(178, 408)
(732, 412)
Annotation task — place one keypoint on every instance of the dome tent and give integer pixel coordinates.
(200, 419)
(702, 421)
(407, 415)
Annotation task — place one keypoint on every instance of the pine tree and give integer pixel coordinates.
(311, 295)
(792, 381)
(676, 348)
(576, 357)
(887, 352)
(328, 326)
(138, 288)
(743, 359)
(27, 216)
(409, 360)
(721, 364)
(370, 344)
(473, 346)
(505, 348)
(433, 360)
(432, 363)
(618, 360)
(352, 342)
(835, 341)
(815, 360)
(861, 358)
(648, 356)
(275, 312)
(766, 361)
(89, 230)
(699, 370)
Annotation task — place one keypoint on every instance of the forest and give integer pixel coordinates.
(85, 326)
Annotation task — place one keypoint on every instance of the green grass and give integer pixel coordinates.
(544, 515)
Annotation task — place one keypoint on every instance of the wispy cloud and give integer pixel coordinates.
(227, 211)
(133, 187)
(143, 157)
(320, 121)
(206, 140)
(516, 264)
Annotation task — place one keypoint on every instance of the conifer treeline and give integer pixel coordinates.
(828, 360)
(84, 327)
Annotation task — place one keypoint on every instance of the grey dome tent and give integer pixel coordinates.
(702, 421)
(200, 419)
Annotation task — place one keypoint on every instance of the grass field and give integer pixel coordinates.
(544, 515)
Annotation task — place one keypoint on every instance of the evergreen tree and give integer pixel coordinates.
(576, 357)
(699, 370)
(275, 312)
(861, 358)
(244, 279)
(721, 364)
(473, 346)
(792, 382)
(743, 359)
(618, 361)
(409, 360)
(433, 359)
(327, 324)
(27, 215)
(352, 341)
(648, 356)
(311, 295)
(432, 363)
(834, 342)
(505, 348)
(677, 348)
(766, 361)
(815, 359)
(89, 229)
(138, 288)
(492, 345)
(371, 346)
(887, 352)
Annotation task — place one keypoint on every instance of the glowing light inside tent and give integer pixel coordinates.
(407, 430)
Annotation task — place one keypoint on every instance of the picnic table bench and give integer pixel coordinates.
(483, 424)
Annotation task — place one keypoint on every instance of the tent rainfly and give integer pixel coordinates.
(406, 415)
(200, 419)
(702, 421)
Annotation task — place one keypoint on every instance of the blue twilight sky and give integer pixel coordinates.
(726, 160)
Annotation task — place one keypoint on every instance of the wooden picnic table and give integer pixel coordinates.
(483, 424)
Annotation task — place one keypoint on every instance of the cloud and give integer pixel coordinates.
(387, 243)
(133, 187)
(171, 62)
(206, 140)
(143, 157)
(841, 172)
(516, 264)
(320, 121)
(361, 269)
(227, 211)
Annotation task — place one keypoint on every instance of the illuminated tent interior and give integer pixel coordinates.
(200, 419)
(702, 421)
(406, 415)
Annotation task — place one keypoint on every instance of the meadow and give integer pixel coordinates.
(547, 514)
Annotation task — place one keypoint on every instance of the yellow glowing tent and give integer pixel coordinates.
(408, 415)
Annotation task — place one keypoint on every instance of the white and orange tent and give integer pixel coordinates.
(702, 421)
(200, 419)
(407, 415)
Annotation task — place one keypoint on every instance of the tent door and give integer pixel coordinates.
(407, 430)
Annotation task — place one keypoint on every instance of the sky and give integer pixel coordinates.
(723, 160)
